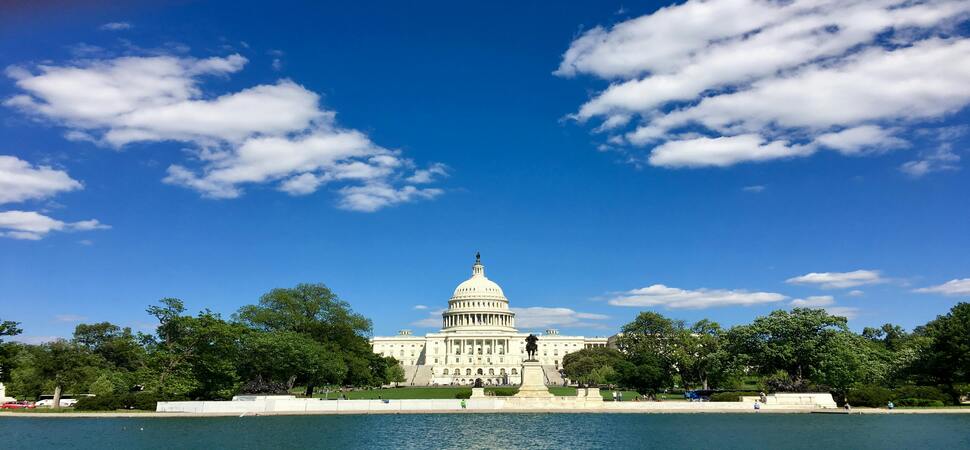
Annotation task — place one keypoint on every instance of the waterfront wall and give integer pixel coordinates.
(320, 406)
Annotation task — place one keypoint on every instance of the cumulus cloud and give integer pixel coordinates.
(813, 301)
(763, 80)
(826, 302)
(952, 287)
(542, 317)
(19, 181)
(675, 298)
(839, 280)
(265, 134)
(31, 225)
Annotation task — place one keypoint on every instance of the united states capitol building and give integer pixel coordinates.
(478, 340)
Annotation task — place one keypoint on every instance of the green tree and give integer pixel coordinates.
(66, 366)
(276, 361)
(7, 351)
(595, 365)
(701, 357)
(394, 373)
(794, 342)
(946, 360)
(316, 311)
(118, 346)
(645, 373)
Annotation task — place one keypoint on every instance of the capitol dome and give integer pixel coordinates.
(478, 303)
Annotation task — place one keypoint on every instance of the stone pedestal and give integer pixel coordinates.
(593, 394)
(533, 381)
(478, 393)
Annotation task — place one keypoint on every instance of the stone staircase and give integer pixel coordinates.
(553, 377)
(417, 376)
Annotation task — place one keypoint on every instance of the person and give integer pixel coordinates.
(757, 406)
(847, 407)
(463, 404)
(763, 396)
(890, 405)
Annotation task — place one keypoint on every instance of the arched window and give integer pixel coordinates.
(446, 372)
(468, 371)
(480, 372)
(491, 371)
(515, 372)
(501, 371)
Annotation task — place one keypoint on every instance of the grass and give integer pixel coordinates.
(449, 392)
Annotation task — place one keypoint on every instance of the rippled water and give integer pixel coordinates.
(472, 431)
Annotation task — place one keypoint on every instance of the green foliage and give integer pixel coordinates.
(464, 394)
(923, 392)
(592, 365)
(102, 387)
(919, 402)
(143, 401)
(871, 396)
(796, 342)
(502, 391)
(728, 396)
(946, 360)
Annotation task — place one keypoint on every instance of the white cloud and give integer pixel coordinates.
(20, 181)
(116, 26)
(813, 301)
(34, 340)
(432, 321)
(826, 302)
(542, 317)
(757, 188)
(848, 312)
(69, 318)
(265, 134)
(674, 298)
(942, 158)
(839, 280)
(952, 287)
(420, 307)
(799, 75)
(424, 176)
(856, 293)
(31, 225)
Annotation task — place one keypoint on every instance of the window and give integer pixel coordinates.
(491, 371)
(468, 371)
(446, 372)
(515, 372)
(480, 372)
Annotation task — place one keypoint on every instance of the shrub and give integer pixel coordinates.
(921, 392)
(872, 396)
(919, 402)
(464, 394)
(727, 396)
(98, 403)
(502, 392)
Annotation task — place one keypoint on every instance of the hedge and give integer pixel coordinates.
(728, 396)
(918, 402)
(142, 400)
(877, 396)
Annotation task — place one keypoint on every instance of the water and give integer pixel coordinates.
(472, 431)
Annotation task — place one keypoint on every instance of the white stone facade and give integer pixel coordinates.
(478, 339)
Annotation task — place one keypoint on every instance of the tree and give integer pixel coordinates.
(116, 345)
(7, 352)
(702, 361)
(595, 365)
(645, 373)
(394, 373)
(67, 366)
(276, 361)
(316, 311)
(947, 357)
(794, 342)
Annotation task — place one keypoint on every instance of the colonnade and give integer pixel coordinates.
(473, 319)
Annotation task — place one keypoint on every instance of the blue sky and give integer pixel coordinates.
(714, 160)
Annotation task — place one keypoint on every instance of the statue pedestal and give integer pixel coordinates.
(593, 394)
(533, 381)
(478, 393)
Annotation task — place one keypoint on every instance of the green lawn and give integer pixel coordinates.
(410, 392)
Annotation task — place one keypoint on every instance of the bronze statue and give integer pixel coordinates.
(531, 347)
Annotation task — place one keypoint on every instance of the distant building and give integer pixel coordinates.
(478, 340)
